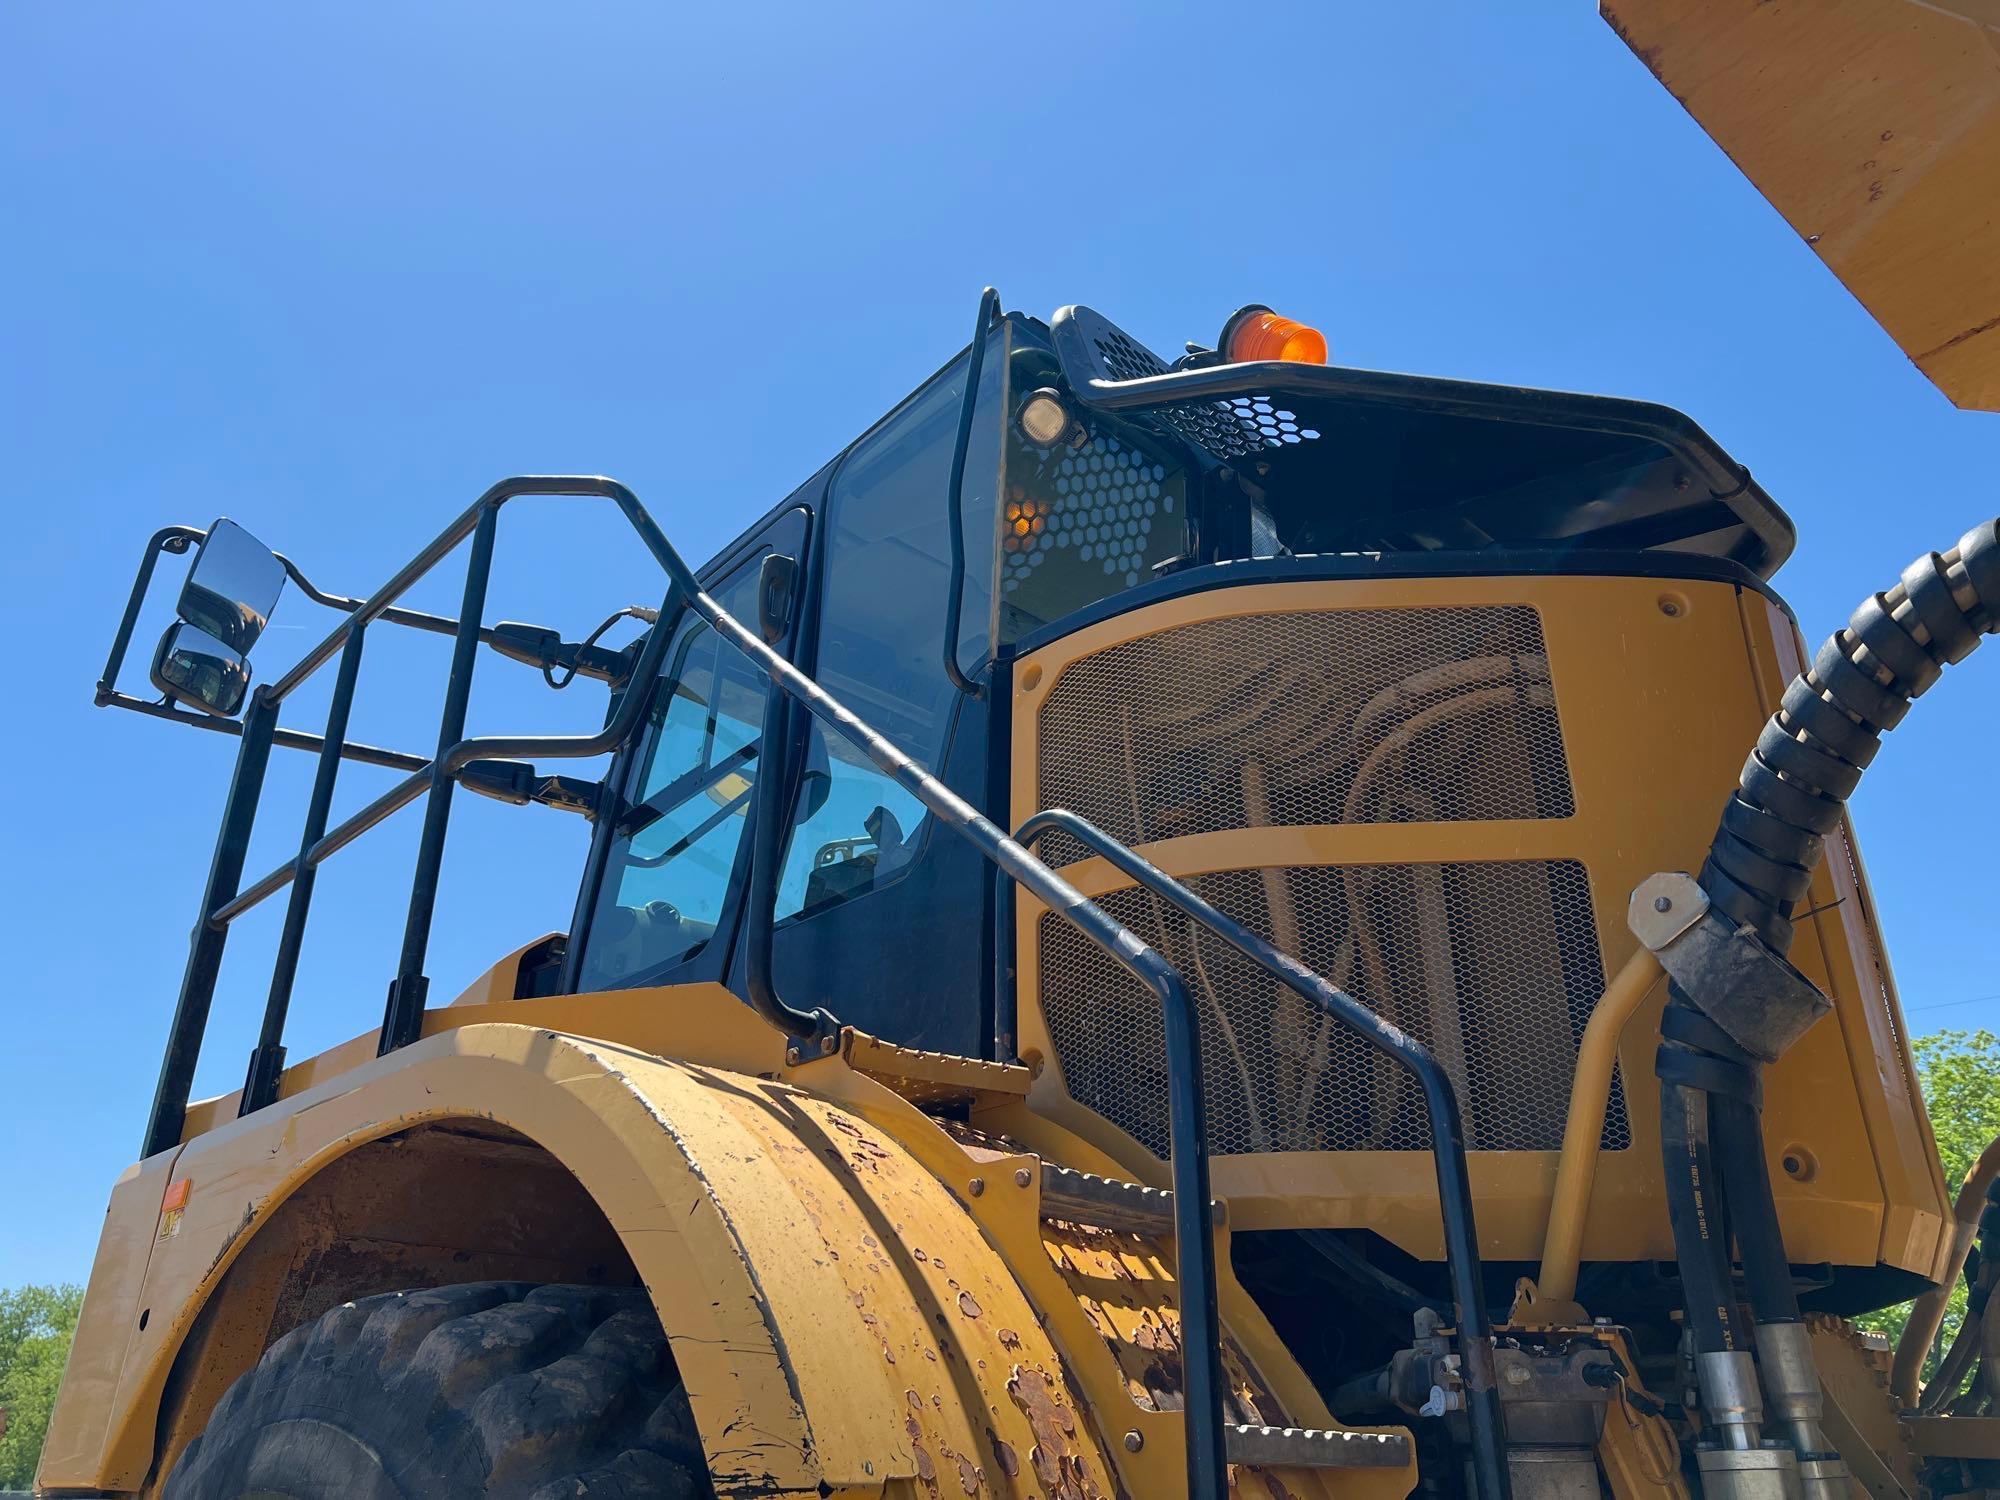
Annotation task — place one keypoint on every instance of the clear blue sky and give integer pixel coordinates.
(331, 271)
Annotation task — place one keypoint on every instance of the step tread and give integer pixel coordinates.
(1108, 1202)
(1314, 1448)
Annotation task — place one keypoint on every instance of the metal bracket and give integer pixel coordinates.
(1725, 968)
(822, 1043)
(1663, 907)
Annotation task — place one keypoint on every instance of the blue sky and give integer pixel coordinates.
(331, 271)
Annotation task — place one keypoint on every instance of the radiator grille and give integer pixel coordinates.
(1493, 965)
(1277, 720)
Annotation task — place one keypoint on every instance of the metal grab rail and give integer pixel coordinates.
(1194, 1245)
(1489, 1441)
(222, 902)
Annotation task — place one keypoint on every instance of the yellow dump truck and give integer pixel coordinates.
(1426, 1029)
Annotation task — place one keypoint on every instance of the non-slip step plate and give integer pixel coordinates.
(1314, 1448)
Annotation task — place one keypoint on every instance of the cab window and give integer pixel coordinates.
(667, 886)
(881, 631)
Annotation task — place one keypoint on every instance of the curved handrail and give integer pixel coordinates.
(1447, 1134)
(1194, 1247)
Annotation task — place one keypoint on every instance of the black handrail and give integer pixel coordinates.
(223, 901)
(1188, 1128)
(1489, 1441)
(1194, 1249)
(989, 312)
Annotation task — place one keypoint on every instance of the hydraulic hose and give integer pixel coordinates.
(1792, 793)
(1829, 725)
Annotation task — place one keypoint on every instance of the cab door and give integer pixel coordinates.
(665, 903)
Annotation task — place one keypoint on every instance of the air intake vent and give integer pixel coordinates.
(1337, 716)
(1494, 965)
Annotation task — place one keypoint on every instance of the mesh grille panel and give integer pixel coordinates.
(1277, 720)
(1493, 965)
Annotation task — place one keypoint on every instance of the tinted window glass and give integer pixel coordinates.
(881, 632)
(667, 884)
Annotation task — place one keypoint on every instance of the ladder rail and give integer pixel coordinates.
(223, 900)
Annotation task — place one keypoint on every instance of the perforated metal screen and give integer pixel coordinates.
(1231, 428)
(1280, 720)
(1495, 966)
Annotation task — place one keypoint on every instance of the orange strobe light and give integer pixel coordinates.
(1258, 333)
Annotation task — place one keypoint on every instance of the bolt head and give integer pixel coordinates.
(976, 1187)
(825, 1045)
(1022, 1177)
(791, 1054)
(1663, 903)
(1134, 1441)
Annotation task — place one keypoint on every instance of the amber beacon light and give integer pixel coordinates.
(1255, 332)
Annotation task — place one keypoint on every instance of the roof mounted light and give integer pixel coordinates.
(1046, 420)
(1257, 333)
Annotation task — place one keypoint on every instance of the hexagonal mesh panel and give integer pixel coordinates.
(1337, 716)
(1107, 502)
(1231, 428)
(1493, 965)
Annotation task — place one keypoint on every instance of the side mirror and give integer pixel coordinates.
(231, 589)
(777, 586)
(195, 668)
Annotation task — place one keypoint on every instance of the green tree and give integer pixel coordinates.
(1960, 1071)
(36, 1324)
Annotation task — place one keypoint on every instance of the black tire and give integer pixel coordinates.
(493, 1389)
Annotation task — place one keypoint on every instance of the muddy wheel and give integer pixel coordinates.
(494, 1389)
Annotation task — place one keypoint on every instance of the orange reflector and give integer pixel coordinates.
(1258, 333)
(177, 1196)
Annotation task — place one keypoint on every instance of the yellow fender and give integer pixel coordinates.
(839, 1319)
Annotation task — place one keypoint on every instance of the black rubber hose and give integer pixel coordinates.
(1793, 790)
(1694, 1207)
(1829, 725)
(1738, 1133)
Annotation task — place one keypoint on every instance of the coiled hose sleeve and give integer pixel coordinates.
(1829, 725)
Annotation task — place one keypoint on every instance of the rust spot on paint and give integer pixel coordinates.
(967, 1305)
(970, 1476)
(1057, 1465)
(1009, 1339)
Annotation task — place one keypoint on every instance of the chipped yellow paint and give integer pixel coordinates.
(848, 1310)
